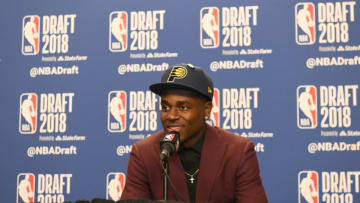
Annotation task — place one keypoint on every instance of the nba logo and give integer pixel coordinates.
(117, 111)
(118, 31)
(115, 183)
(308, 182)
(169, 137)
(25, 191)
(31, 35)
(215, 112)
(28, 113)
(305, 23)
(306, 107)
(209, 27)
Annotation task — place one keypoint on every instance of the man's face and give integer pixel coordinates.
(185, 112)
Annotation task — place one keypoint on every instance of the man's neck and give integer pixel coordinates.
(195, 138)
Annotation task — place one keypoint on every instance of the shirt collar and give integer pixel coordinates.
(197, 147)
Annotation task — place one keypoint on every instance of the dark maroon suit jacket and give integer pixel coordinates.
(229, 171)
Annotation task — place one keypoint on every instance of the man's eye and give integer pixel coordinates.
(165, 108)
(184, 108)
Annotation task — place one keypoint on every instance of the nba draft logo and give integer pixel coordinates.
(118, 31)
(209, 30)
(307, 107)
(169, 137)
(25, 188)
(115, 183)
(308, 182)
(31, 35)
(305, 23)
(215, 112)
(28, 113)
(117, 111)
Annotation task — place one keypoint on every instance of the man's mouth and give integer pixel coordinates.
(173, 128)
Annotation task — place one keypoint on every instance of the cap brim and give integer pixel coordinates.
(158, 88)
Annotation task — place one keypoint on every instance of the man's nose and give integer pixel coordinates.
(173, 114)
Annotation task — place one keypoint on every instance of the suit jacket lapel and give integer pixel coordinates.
(211, 157)
(178, 178)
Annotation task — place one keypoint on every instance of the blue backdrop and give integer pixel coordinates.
(74, 90)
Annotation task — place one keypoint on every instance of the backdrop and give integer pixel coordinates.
(74, 90)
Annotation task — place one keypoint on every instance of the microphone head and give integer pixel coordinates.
(170, 142)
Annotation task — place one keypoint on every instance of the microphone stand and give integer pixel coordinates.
(166, 171)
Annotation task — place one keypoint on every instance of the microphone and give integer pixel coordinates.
(169, 145)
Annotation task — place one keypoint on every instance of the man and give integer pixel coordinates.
(212, 165)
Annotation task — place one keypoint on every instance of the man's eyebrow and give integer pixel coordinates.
(177, 103)
(182, 102)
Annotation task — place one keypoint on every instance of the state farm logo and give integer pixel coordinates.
(215, 112)
(118, 31)
(28, 113)
(117, 111)
(308, 182)
(31, 35)
(115, 183)
(307, 107)
(25, 188)
(305, 23)
(209, 31)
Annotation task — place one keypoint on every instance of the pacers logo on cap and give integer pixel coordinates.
(177, 72)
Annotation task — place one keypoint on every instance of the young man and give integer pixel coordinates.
(212, 165)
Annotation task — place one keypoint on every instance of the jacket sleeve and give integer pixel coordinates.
(249, 187)
(137, 181)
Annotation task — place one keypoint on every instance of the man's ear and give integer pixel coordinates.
(208, 107)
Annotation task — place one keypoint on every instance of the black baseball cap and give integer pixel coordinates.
(185, 76)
